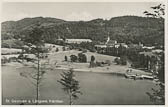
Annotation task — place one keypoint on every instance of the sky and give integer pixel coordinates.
(73, 11)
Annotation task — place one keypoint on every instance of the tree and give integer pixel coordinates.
(92, 64)
(35, 43)
(74, 58)
(117, 61)
(82, 57)
(92, 58)
(158, 11)
(4, 60)
(158, 95)
(70, 85)
(56, 50)
(66, 58)
(63, 48)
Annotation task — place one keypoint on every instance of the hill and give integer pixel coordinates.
(123, 29)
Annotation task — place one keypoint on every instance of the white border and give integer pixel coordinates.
(166, 44)
(83, 0)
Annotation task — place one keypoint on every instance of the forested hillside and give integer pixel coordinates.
(129, 29)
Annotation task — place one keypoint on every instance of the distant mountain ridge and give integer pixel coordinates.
(123, 29)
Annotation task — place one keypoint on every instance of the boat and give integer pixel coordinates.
(138, 77)
(134, 76)
(148, 77)
(131, 76)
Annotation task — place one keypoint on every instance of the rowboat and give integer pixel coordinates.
(131, 76)
(147, 77)
(135, 76)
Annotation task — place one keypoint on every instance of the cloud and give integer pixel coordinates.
(84, 16)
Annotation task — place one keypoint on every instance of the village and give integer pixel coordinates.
(109, 57)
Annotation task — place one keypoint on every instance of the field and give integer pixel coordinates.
(56, 60)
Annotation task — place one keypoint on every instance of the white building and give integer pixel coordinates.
(78, 41)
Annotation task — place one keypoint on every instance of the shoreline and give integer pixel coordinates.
(89, 70)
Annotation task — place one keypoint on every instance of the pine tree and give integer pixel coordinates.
(158, 95)
(70, 85)
(35, 44)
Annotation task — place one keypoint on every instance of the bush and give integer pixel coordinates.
(56, 50)
(74, 58)
(121, 61)
(117, 61)
(66, 59)
(4, 60)
(82, 57)
(92, 58)
(63, 48)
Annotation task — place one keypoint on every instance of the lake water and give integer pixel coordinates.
(97, 88)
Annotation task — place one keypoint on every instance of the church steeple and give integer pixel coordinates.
(108, 39)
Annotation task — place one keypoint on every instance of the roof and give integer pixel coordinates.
(157, 51)
(89, 40)
(147, 47)
(101, 46)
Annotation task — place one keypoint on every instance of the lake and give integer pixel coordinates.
(97, 88)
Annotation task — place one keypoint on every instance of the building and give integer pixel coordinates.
(110, 43)
(148, 47)
(110, 47)
(121, 44)
(77, 41)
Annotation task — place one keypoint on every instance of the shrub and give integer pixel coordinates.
(117, 61)
(82, 57)
(121, 61)
(56, 50)
(63, 48)
(74, 58)
(92, 58)
(4, 60)
(66, 59)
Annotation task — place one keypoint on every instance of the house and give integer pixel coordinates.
(77, 41)
(148, 47)
(111, 43)
(157, 51)
(100, 48)
(121, 44)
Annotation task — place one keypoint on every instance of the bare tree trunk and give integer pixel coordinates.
(70, 99)
(37, 88)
